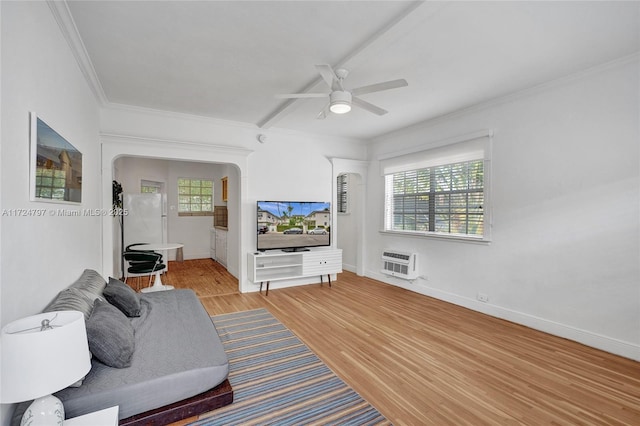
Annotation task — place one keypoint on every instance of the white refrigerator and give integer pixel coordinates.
(145, 219)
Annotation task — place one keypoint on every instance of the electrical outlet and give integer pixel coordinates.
(482, 297)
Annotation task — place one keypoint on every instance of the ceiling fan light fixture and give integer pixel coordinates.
(340, 102)
(340, 108)
(340, 99)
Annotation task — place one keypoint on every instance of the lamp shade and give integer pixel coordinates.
(38, 361)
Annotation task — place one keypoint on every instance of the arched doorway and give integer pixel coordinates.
(114, 147)
(349, 225)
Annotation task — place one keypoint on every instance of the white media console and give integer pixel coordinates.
(278, 265)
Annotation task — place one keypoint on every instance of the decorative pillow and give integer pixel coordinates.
(71, 299)
(91, 296)
(90, 280)
(110, 335)
(122, 297)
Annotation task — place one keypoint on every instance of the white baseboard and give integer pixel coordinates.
(190, 256)
(350, 268)
(608, 344)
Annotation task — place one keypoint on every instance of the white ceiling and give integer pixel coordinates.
(227, 59)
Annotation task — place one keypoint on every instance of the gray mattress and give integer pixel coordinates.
(178, 354)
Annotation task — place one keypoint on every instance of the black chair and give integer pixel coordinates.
(130, 247)
(142, 263)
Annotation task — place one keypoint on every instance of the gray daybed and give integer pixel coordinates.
(177, 360)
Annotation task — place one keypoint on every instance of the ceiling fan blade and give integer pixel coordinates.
(302, 95)
(368, 106)
(328, 75)
(323, 113)
(378, 87)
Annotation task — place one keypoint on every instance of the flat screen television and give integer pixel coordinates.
(293, 225)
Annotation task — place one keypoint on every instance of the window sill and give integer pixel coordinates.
(446, 237)
(183, 214)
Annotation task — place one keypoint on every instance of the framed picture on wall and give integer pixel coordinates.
(56, 166)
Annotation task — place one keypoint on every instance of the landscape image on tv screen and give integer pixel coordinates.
(293, 225)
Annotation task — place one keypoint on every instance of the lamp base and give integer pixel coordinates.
(47, 410)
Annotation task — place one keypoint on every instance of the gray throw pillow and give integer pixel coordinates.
(122, 297)
(110, 335)
(90, 280)
(71, 299)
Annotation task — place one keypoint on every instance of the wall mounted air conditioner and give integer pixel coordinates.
(400, 264)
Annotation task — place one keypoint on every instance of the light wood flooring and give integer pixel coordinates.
(421, 361)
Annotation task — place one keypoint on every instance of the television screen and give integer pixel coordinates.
(293, 225)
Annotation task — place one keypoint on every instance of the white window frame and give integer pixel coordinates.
(196, 213)
(151, 186)
(470, 147)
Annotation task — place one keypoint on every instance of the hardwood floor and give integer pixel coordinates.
(422, 361)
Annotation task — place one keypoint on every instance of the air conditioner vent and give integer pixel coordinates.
(400, 264)
(396, 255)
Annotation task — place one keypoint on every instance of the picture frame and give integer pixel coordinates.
(55, 165)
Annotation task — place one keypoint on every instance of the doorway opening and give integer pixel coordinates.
(202, 264)
(349, 180)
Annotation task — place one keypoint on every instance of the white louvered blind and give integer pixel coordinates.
(442, 191)
(342, 193)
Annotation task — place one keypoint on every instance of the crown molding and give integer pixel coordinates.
(177, 115)
(226, 123)
(113, 138)
(62, 14)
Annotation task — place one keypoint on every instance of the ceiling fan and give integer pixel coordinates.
(341, 99)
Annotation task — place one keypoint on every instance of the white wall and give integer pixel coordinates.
(288, 165)
(565, 249)
(131, 170)
(42, 255)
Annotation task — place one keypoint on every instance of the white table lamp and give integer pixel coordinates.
(43, 354)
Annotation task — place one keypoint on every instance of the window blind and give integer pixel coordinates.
(342, 193)
(443, 190)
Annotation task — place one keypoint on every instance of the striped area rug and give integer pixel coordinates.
(277, 380)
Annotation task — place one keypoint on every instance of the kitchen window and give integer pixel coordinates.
(195, 197)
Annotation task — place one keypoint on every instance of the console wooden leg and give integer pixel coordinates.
(322, 279)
